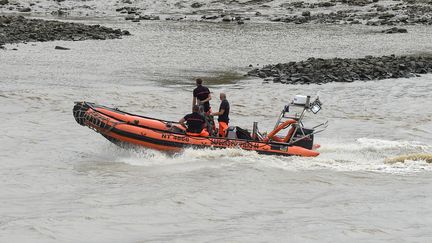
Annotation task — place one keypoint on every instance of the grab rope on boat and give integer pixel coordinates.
(92, 118)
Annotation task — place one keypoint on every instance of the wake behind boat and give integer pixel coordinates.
(124, 128)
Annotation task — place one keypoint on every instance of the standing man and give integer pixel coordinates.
(201, 96)
(223, 115)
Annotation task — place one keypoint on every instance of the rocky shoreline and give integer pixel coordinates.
(391, 14)
(317, 70)
(368, 12)
(17, 29)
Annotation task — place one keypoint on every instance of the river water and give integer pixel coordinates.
(61, 182)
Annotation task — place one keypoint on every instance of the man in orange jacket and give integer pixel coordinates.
(223, 114)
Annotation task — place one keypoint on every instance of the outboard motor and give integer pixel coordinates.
(238, 133)
(306, 137)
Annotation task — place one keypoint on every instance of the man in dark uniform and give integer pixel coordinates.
(223, 115)
(201, 96)
(195, 123)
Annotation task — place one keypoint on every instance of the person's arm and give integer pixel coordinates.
(194, 100)
(182, 122)
(208, 99)
(218, 113)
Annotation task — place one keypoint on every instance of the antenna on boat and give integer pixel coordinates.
(298, 101)
(294, 121)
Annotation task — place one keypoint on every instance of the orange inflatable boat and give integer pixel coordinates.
(123, 128)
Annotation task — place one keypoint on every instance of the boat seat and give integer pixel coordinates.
(203, 133)
(176, 129)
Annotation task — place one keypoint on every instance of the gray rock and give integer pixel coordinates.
(61, 48)
(374, 22)
(402, 18)
(59, 13)
(130, 17)
(326, 4)
(77, 38)
(295, 79)
(381, 8)
(174, 18)
(394, 30)
(227, 18)
(386, 16)
(149, 17)
(300, 20)
(196, 5)
(210, 17)
(24, 10)
(276, 80)
(262, 74)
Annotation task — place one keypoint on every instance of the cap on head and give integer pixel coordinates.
(195, 108)
(199, 81)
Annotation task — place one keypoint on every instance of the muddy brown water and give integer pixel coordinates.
(61, 182)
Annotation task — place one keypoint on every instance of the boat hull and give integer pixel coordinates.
(124, 128)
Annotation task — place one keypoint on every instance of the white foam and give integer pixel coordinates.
(148, 157)
(364, 154)
(372, 144)
(369, 155)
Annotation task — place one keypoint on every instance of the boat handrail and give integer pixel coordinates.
(131, 114)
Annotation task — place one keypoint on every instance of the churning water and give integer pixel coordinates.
(61, 182)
